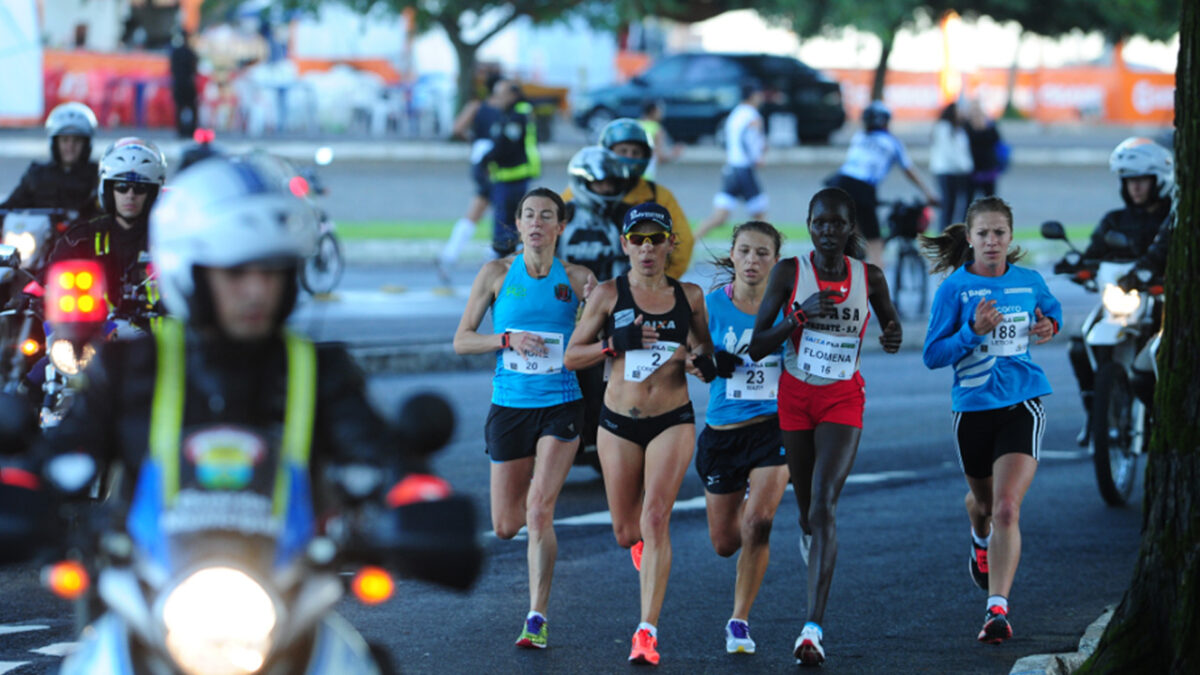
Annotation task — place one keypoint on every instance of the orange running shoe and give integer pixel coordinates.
(645, 648)
(635, 552)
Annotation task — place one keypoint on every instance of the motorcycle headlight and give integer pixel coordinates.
(219, 621)
(62, 355)
(24, 242)
(1119, 302)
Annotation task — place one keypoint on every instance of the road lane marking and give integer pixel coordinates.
(6, 629)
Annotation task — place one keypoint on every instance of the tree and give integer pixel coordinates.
(1155, 627)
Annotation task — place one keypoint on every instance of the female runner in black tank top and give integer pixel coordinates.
(656, 330)
(820, 458)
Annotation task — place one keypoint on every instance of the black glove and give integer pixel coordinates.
(627, 338)
(726, 362)
(706, 365)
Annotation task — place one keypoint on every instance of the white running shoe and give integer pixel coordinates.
(737, 637)
(805, 545)
(808, 650)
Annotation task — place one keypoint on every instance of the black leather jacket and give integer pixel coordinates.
(117, 249)
(227, 382)
(47, 185)
(1139, 224)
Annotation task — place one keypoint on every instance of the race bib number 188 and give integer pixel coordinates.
(1010, 338)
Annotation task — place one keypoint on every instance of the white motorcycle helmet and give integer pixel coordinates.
(131, 160)
(1139, 156)
(225, 213)
(71, 119)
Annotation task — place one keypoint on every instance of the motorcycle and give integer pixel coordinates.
(32, 233)
(218, 582)
(1121, 337)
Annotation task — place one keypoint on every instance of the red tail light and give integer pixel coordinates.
(75, 292)
(298, 186)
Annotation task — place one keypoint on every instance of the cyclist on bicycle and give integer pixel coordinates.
(870, 157)
(68, 180)
(1147, 174)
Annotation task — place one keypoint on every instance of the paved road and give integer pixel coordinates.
(901, 601)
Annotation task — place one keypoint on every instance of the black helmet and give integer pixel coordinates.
(876, 116)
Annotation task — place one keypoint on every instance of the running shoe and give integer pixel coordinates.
(979, 565)
(645, 648)
(805, 545)
(635, 552)
(996, 628)
(737, 637)
(808, 650)
(534, 635)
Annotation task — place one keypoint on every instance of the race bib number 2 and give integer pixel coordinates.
(755, 381)
(1010, 337)
(537, 364)
(640, 363)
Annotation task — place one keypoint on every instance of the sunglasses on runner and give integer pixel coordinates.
(637, 238)
(138, 188)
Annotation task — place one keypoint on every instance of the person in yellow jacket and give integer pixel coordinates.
(628, 139)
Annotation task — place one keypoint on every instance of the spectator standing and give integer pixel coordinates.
(989, 153)
(183, 83)
(950, 161)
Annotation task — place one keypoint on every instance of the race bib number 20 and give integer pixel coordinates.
(536, 364)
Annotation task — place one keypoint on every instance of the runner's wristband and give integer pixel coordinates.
(799, 317)
(606, 347)
(1054, 324)
(505, 341)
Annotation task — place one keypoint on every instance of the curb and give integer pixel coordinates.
(386, 150)
(1066, 663)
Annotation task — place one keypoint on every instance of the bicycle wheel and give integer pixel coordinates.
(910, 281)
(323, 270)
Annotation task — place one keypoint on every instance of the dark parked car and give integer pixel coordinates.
(699, 90)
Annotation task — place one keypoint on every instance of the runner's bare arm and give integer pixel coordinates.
(585, 348)
(767, 334)
(881, 304)
(467, 339)
(462, 123)
(699, 341)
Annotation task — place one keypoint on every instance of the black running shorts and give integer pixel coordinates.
(982, 436)
(642, 430)
(513, 433)
(725, 457)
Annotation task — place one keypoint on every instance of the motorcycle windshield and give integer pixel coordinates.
(227, 483)
(1110, 272)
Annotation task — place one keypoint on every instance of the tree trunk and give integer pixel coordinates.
(1010, 108)
(1155, 628)
(465, 85)
(889, 39)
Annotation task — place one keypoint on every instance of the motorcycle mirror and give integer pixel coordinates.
(426, 423)
(18, 424)
(1114, 239)
(323, 156)
(1052, 229)
(71, 473)
(9, 256)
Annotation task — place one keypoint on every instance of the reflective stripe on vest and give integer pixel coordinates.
(101, 243)
(532, 168)
(166, 413)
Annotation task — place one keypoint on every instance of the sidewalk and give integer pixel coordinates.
(1033, 145)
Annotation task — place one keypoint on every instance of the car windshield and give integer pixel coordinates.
(666, 71)
(708, 68)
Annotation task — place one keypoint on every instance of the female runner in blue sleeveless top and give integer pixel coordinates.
(741, 446)
(536, 416)
(656, 330)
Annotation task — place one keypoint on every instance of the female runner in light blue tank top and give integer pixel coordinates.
(741, 448)
(536, 416)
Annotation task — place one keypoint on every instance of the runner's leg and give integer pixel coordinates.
(621, 463)
(667, 460)
(509, 487)
(767, 485)
(836, 447)
(1013, 473)
(554, 458)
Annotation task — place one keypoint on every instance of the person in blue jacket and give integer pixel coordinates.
(740, 455)
(984, 316)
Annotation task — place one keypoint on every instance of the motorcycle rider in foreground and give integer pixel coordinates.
(1147, 174)
(68, 180)
(224, 420)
